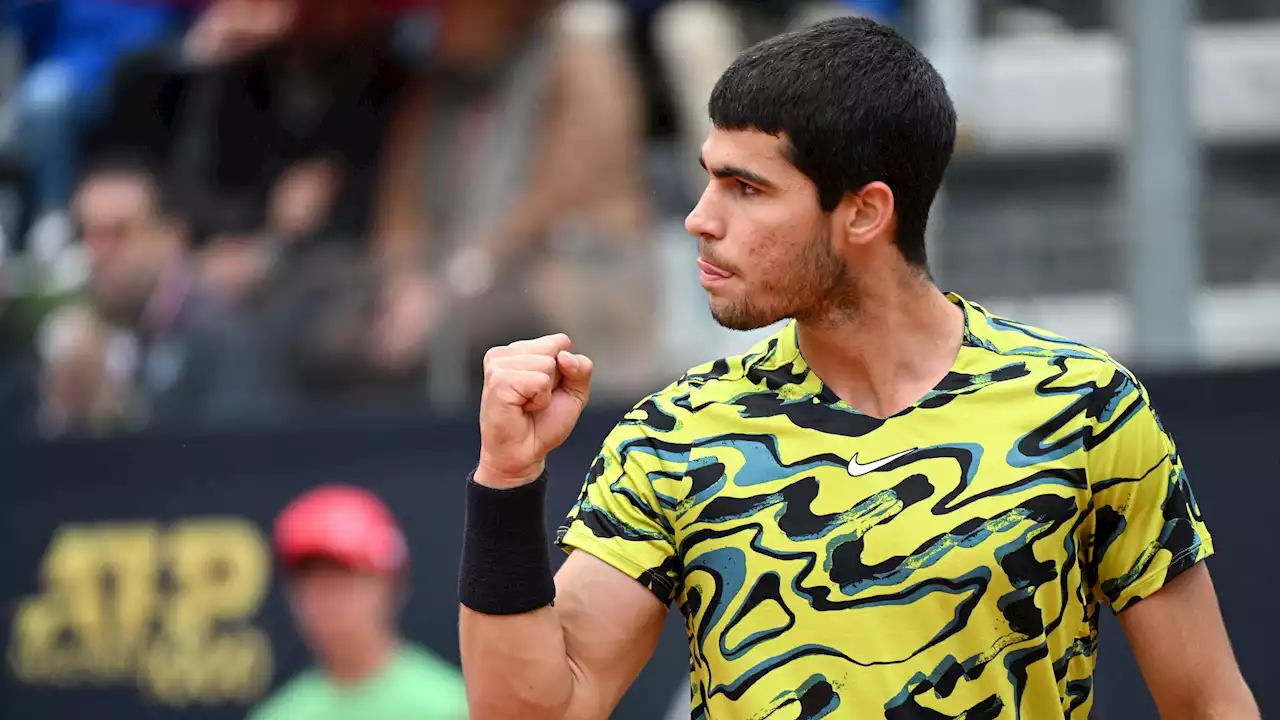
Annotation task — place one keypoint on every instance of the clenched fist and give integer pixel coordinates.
(534, 391)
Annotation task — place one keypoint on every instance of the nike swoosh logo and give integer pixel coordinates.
(857, 469)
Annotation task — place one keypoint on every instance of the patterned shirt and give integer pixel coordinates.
(948, 561)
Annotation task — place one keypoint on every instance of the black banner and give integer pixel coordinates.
(138, 581)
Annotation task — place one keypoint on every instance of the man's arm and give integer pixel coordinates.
(1181, 645)
(534, 646)
(572, 660)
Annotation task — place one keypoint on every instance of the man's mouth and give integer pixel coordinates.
(710, 273)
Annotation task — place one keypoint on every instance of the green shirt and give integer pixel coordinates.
(415, 685)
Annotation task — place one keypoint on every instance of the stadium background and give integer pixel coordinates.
(1117, 182)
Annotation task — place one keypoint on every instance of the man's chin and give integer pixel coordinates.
(739, 318)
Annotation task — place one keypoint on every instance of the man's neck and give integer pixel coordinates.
(358, 664)
(901, 340)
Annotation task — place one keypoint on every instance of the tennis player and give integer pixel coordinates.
(899, 506)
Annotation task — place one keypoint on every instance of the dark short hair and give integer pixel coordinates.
(857, 103)
(135, 167)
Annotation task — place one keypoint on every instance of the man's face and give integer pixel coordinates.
(127, 243)
(337, 607)
(765, 247)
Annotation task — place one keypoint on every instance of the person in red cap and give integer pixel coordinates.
(344, 560)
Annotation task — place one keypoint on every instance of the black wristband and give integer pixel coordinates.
(505, 567)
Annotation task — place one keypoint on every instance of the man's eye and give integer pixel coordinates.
(745, 189)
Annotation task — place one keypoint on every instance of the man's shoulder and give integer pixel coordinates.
(1058, 366)
(1013, 338)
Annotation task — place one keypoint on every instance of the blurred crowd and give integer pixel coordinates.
(237, 212)
(224, 213)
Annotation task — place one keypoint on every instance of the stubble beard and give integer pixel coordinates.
(815, 288)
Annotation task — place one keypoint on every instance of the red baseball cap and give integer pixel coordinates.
(346, 524)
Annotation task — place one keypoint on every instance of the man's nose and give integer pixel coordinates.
(703, 221)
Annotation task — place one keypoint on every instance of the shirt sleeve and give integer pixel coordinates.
(1147, 527)
(621, 518)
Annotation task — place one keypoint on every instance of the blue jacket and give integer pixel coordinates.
(89, 36)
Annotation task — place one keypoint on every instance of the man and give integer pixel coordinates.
(898, 506)
(536, 107)
(346, 563)
(279, 93)
(198, 365)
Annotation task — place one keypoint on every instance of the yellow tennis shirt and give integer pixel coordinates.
(948, 561)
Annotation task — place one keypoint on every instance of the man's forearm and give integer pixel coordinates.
(517, 665)
(514, 650)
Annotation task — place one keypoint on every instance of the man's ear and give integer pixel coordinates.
(868, 213)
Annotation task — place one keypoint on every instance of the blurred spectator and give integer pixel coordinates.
(283, 92)
(346, 577)
(515, 175)
(268, 119)
(71, 47)
(196, 364)
(346, 331)
(235, 264)
(695, 40)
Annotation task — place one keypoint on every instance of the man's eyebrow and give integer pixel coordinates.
(732, 172)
